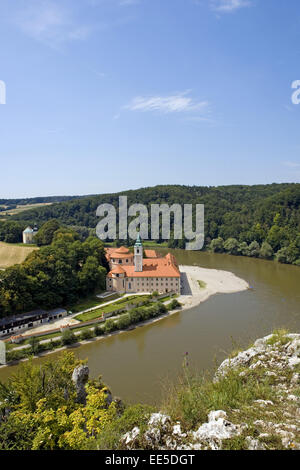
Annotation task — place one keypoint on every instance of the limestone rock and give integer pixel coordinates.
(80, 377)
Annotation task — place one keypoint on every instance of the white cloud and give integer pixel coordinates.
(176, 103)
(227, 6)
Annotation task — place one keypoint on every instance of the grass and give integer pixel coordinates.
(279, 336)
(194, 396)
(11, 254)
(202, 284)
(90, 302)
(120, 304)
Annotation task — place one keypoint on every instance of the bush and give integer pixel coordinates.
(135, 415)
(110, 326)
(135, 315)
(86, 334)
(98, 330)
(162, 308)
(15, 355)
(174, 304)
(124, 321)
(68, 337)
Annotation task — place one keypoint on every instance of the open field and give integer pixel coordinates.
(13, 254)
(22, 208)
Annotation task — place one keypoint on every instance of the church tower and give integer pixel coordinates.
(138, 255)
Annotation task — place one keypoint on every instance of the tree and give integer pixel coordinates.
(68, 337)
(231, 246)
(243, 249)
(266, 251)
(34, 343)
(217, 245)
(46, 233)
(254, 249)
(123, 322)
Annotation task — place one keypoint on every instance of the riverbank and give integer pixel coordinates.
(197, 285)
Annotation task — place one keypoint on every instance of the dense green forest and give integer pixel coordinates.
(56, 275)
(260, 220)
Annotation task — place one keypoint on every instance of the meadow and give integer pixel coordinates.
(11, 254)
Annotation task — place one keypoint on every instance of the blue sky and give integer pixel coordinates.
(107, 95)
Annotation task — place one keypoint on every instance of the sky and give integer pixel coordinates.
(107, 95)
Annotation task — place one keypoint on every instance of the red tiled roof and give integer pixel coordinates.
(151, 254)
(119, 253)
(155, 267)
(117, 270)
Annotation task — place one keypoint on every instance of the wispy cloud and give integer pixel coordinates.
(228, 6)
(291, 164)
(128, 2)
(175, 103)
(50, 22)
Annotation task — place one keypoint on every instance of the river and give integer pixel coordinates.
(137, 363)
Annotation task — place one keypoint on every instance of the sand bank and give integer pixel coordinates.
(217, 282)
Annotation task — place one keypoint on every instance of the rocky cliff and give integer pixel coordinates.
(266, 381)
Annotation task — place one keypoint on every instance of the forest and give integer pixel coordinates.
(259, 220)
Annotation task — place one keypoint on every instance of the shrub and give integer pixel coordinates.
(162, 308)
(15, 355)
(34, 344)
(68, 337)
(135, 315)
(110, 326)
(98, 330)
(86, 334)
(124, 321)
(174, 304)
(135, 415)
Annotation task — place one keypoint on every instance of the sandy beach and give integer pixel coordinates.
(217, 282)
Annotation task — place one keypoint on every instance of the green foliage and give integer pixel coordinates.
(68, 337)
(58, 274)
(110, 325)
(87, 334)
(279, 336)
(98, 330)
(43, 409)
(46, 233)
(11, 231)
(174, 304)
(123, 322)
(231, 246)
(254, 249)
(266, 251)
(217, 245)
(195, 396)
(135, 415)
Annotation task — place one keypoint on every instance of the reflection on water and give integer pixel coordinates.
(135, 363)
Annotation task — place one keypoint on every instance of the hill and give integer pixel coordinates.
(230, 211)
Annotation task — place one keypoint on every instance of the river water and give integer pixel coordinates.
(137, 363)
